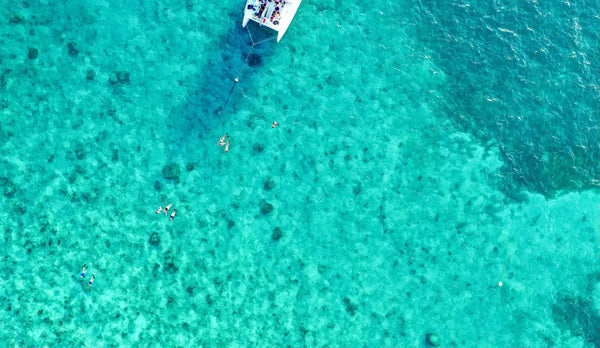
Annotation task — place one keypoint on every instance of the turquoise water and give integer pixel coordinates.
(426, 152)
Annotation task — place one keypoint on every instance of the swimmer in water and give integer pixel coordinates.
(223, 138)
(159, 210)
(92, 280)
(173, 215)
(167, 208)
(227, 146)
(275, 124)
(83, 271)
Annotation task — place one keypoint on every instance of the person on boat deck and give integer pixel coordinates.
(260, 9)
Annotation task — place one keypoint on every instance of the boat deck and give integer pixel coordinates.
(266, 12)
(274, 14)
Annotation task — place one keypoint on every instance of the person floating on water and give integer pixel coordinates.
(227, 146)
(159, 210)
(173, 215)
(92, 280)
(167, 208)
(275, 124)
(223, 138)
(83, 271)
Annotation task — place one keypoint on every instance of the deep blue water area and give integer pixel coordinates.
(523, 76)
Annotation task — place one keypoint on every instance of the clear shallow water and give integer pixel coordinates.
(383, 209)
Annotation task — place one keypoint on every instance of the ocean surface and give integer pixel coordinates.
(434, 179)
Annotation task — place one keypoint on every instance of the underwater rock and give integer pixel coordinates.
(20, 209)
(32, 53)
(277, 234)
(3, 78)
(266, 208)
(119, 77)
(169, 264)
(80, 152)
(171, 267)
(268, 185)
(432, 339)
(171, 171)
(16, 19)
(189, 166)
(258, 148)
(154, 239)
(9, 187)
(73, 51)
(230, 223)
(91, 197)
(111, 110)
(357, 188)
(90, 75)
(123, 76)
(350, 307)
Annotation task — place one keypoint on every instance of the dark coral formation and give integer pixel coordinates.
(170, 267)
(169, 264)
(16, 19)
(171, 171)
(154, 239)
(80, 152)
(32, 53)
(266, 208)
(269, 184)
(90, 75)
(9, 188)
(3, 78)
(258, 148)
(73, 51)
(277, 234)
(432, 339)
(350, 307)
(577, 316)
(119, 77)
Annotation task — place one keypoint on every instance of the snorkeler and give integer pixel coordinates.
(167, 208)
(83, 271)
(223, 138)
(227, 146)
(173, 215)
(159, 210)
(92, 280)
(275, 124)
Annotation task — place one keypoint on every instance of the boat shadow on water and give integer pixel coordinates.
(213, 96)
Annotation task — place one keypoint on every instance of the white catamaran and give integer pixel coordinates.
(274, 14)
